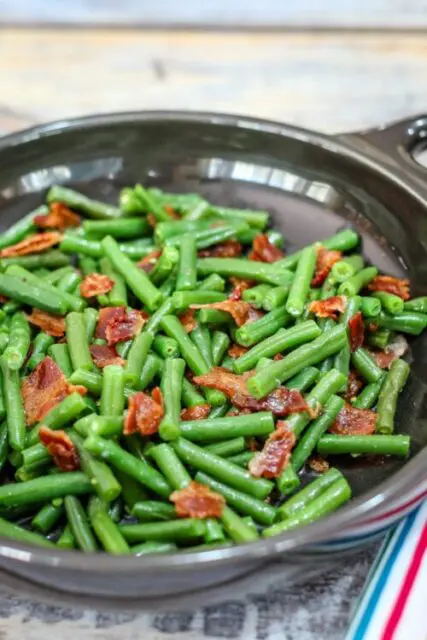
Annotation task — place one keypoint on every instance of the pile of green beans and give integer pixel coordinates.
(120, 498)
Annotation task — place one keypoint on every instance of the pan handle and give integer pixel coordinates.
(397, 142)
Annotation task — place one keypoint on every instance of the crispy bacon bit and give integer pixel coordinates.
(328, 308)
(199, 412)
(264, 251)
(61, 448)
(53, 325)
(197, 501)
(171, 212)
(116, 324)
(95, 284)
(103, 355)
(148, 263)
(392, 351)
(144, 413)
(325, 260)
(44, 388)
(240, 311)
(354, 386)
(281, 401)
(354, 422)
(188, 320)
(227, 249)
(278, 356)
(239, 286)
(36, 243)
(318, 464)
(275, 454)
(236, 350)
(357, 331)
(59, 217)
(397, 286)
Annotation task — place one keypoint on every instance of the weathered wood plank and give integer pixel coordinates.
(304, 13)
(329, 82)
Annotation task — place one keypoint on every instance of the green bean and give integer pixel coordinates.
(344, 240)
(146, 548)
(166, 347)
(253, 332)
(214, 282)
(241, 268)
(29, 294)
(317, 428)
(123, 348)
(214, 235)
(255, 424)
(44, 489)
(79, 525)
(48, 260)
(220, 345)
(276, 297)
(282, 340)
(66, 539)
(132, 491)
(184, 299)
(255, 218)
(177, 228)
(370, 307)
(165, 265)
(236, 528)
(366, 366)
(221, 469)
(410, 322)
(134, 277)
(261, 511)
(106, 426)
(202, 339)
(80, 202)
(100, 475)
(153, 366)
(19, 342)
(171, 466)
(151, 204)
(385, 445)
(379, 338)
(92, 380)
(136, 358)
(14, 407)
(73, 243)
(117, 297)
(107, 532)
(90, 316)
(242, 459)
(35, 455)
(226, 448)
(77, 341)
(182, 530)
(125, 228)
(393, 384)
(190, 397)
(66, 411)
(368, 397)
(4, 445)
(171, 386)
(128, 463)
(47, 517)
(304, 380)
(112, 395)
(87, 265)
(213, 317)
(153, 510)
(390, 303)
(10, 530)
(288, 480)
(308, 354)
(61, 355)
(41, 344)
(301, 283)
(69, 282)
(347, 267)
(361, 279)
(20, 229)
(310, 492)
(416, 304)
(187, 275)
(256, 295)
(214, 532)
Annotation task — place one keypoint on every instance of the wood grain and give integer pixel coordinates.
(327, 82)
(272, 13)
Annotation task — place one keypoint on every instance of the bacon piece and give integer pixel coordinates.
(389, 284)
(37, 243)
(188, 320)
(171, 212)
(325, 260)
(278, 356)
(356, 330)
(103, 355)
(199, 412)
(240, 311)
(116, 324)
(275, 454)
(354, 422)
(151, 220)
(328, 308)
(144, 413)
(354, 386)
(59, 217)
(3, 299)
(236, 350)
(318, 464)
(148, 263)
(53, 325)
(239, 286)
(264, 251)
(44, 388)
(281, 401)
(61, 448)
(96, 284)
(227, 249)
(392, 351)
(197, 501)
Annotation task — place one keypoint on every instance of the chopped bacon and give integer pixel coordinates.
(227, 249)
(44, 388)
(354, 386)
(144, 413)
(281, 401)
(96, 284)
(171, 212)
(59, 217)
(318, 464)
(264, 251)
(151, 220)
(356, 330)
(103, 355)
(236, 350)
(116, 324)
(275, 454)
(53, 325)
(199, 412)
(197, 501)
(37, 243)
(239, 286)
(278, 356)
(148, 263)
(389, 284)
(328, 308)
(392, 351)
(188, 320)
(61, 448)
(354, 422)
(240, 311)
(325, 260)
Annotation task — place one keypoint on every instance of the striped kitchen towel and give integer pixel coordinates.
(393, 605)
